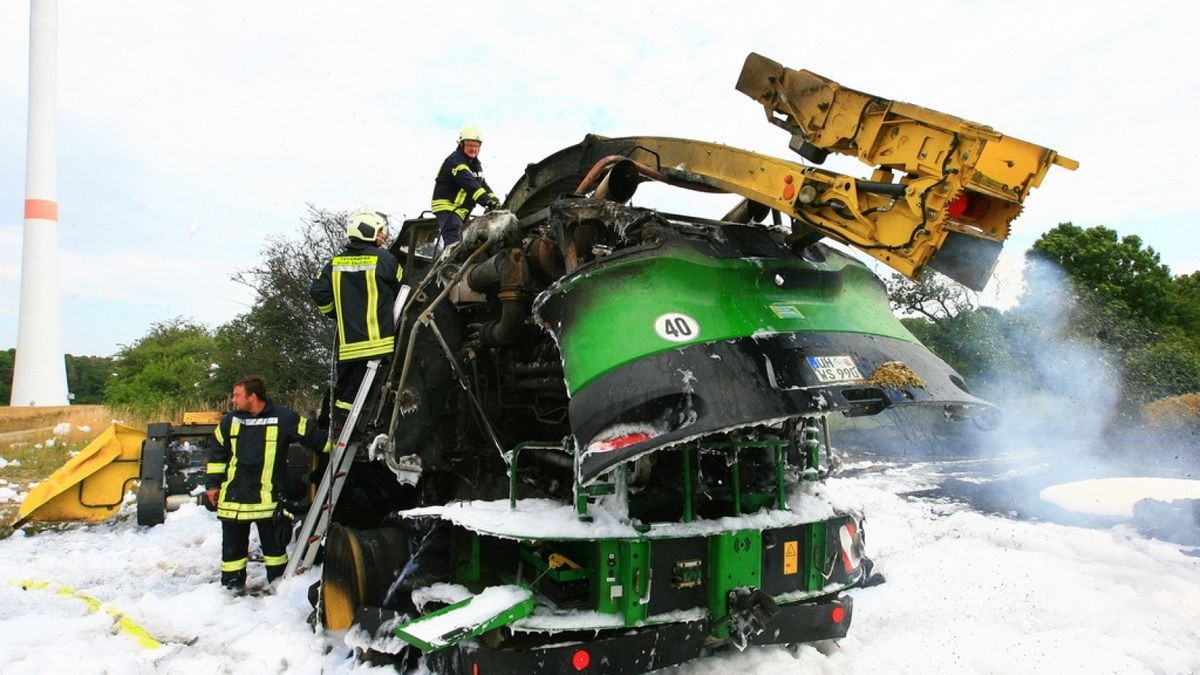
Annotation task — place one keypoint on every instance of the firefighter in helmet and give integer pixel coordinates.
(357, 289)
(460, 186)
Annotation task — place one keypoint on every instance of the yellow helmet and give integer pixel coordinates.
(469, 133)
(366, 225)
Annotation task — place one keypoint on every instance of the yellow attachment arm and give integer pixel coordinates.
(92, 484)
(960, 184)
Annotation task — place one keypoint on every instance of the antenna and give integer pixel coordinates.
(40, 372)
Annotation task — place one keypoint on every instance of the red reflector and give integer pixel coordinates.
(474, 669)
(969, 205)
(958, 206)
(610, 444)
(581, 659)
(851, 547)
(837, 614)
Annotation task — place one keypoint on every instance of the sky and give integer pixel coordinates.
(966, 591)
(190, 133)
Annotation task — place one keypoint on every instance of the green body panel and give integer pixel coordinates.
(815, 558)
(615, 306)
(622, 580)
(734, 561)
(618, 571)
(466, 631)
(467, 563)
(612, 575)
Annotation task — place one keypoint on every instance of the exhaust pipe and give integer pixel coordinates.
(620, 183)
(506, 275)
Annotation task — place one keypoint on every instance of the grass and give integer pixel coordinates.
(23, 430)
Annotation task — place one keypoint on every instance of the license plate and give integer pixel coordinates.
(834, 368)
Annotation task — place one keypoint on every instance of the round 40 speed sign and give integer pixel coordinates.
(676, 327)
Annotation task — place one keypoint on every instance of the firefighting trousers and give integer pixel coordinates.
(273, 534)
(450, 224)
(350, 375)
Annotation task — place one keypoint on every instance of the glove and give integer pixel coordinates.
(493, 203)
(474, 335)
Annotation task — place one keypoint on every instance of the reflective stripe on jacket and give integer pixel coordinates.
(357, 289)
(460, 185)
(249, 461)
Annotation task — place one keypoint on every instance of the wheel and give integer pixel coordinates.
(151, 504)
(151, 495)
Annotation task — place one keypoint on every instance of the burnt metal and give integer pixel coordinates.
(806, 622)
(966, 259)
(629, 651)
(752, 381)
(670, 574)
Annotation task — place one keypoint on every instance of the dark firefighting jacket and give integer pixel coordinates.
(460, 185)
(357, 289)
(248, 464)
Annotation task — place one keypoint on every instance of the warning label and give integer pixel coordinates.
(791, 557)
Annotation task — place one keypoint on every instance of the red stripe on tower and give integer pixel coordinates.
(42, 209)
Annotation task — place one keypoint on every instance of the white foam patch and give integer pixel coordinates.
(490, 603)
(1116, 496)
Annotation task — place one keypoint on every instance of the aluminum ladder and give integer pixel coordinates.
(316, 522)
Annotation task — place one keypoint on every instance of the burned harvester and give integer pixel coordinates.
(605, 423)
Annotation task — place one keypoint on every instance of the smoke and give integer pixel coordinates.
(1059, 392)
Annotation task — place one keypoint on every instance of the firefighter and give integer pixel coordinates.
(357, 289)
(460, 186)
(246, 471)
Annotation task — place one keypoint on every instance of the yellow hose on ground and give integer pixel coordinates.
(139, 634)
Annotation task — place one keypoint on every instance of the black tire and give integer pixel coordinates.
(151, 505)
(151, 495)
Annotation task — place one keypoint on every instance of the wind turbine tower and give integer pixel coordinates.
(40, 372)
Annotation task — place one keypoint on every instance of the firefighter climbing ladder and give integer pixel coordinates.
(316, 522)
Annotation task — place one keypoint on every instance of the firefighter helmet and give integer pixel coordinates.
(469, 133)
(366, 225)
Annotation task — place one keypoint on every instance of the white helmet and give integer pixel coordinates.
(366, 225)
(469, 133)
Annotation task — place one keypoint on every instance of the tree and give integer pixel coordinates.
(1185, 301)
(283, 337)
(1168, 367)
(1114, 270)
(7, 363)
(1124, 299)
(87, 377)
(167, 370)
(948, 321)
(933, 296)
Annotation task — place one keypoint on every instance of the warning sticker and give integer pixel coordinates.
(786, 311)
(791, 557)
